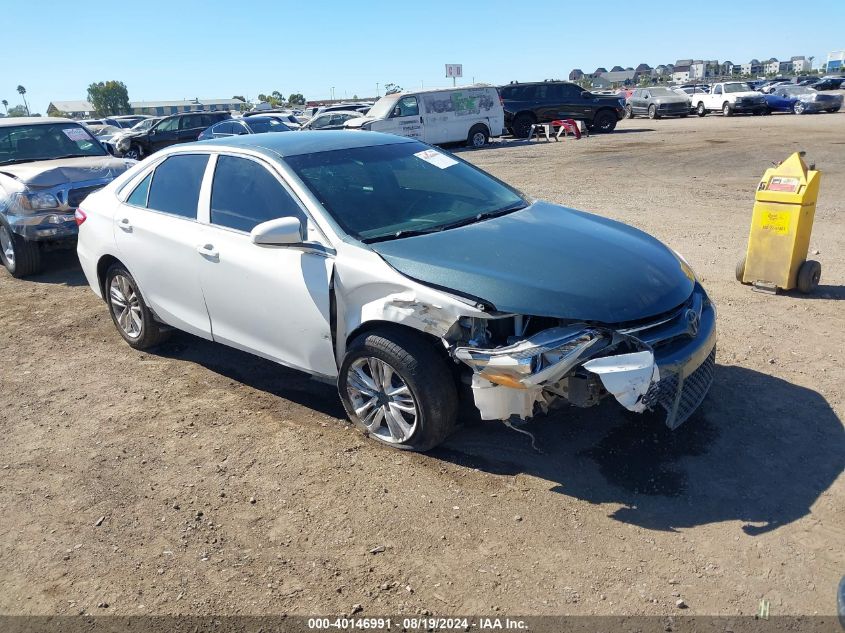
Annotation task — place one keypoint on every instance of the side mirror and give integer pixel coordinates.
(586, 95)
(109, 148)
(280, 232)
(397, 111)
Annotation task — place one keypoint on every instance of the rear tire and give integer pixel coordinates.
(21, 257)
(420, 381)
(522, 125)
(478, 136)
(700, 110)
(604, 121)
(629, 112)
(132, 318)
(809, 275)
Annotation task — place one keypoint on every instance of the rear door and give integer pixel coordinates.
(272, 301)
(192, 125)
(157, 233)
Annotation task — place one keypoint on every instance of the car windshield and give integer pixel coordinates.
(390, 191)
(383, 107)
(24, 143)
(267, 125)
(662, 92)
(799, 90)
(743, 87)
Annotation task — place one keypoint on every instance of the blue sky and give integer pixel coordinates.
(186, 49)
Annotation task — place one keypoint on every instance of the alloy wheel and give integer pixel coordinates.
(479, 139)
(7, 246)
(382, 400)
(125, 305)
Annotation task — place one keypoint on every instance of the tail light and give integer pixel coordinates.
(80, 216)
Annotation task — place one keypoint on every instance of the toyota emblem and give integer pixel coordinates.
(692, 322)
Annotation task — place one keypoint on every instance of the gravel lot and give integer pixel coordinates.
(231, 486)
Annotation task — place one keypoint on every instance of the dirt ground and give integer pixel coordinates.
(231, 486)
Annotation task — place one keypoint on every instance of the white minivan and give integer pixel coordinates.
(443, 115)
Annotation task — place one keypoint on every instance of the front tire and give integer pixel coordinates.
(629, 112)
(134, 152)
(652, 112)
(478, 136)
(21, 257)
(727, 110)
(132, 318)
(398, 390)
(798, 107)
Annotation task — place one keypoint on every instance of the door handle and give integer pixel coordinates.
(125, 224)
(208, 250)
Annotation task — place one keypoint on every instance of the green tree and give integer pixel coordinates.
(22, 93)
(17, 110)
(59, 113)
(6, 106)
(392, 89)
(296, 99)
(109, 98)
(239, 97)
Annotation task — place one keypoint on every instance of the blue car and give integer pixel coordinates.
(237, 127)
(801, 100)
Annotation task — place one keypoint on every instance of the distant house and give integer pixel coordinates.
(752, 68)
(835, 62)
(163, 108)
(620, 77)
(801, 64)
(73, 109)
(728, 69)
(599, 71)
(684, 62)
(680, 74)
(616, 69)
(644, 69)
(575, 74)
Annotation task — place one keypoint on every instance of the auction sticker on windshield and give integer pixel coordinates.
(75, 133)
(436, 158)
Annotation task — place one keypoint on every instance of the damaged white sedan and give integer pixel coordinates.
(406, 275)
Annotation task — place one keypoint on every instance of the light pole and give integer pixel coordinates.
(378, 94)
(332, 93)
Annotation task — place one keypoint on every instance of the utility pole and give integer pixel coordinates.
(378, 94)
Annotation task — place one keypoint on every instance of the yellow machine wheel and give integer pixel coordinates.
(808, 276)
(740, 270)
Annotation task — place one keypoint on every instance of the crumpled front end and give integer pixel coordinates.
(520, 367)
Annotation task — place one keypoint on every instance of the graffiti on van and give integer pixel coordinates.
(462, 103)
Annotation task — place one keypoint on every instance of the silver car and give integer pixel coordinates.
(47, 167)
(656, 102)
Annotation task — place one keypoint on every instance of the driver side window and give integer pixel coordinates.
(169, 125)
(406, 106)
(717, 90)
(244, 194)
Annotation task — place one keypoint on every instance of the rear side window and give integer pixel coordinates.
(176, 185)
(245, 194)
(139, 196)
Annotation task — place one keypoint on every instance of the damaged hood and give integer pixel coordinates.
(548, 260)
(62, 171)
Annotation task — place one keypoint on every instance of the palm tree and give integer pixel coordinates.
(22, 93)
(6, 105)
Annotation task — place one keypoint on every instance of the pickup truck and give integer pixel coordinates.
(729, 98)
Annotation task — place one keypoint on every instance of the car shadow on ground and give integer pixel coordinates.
(254, 372)
(760, 450)
(837, 293)
(61, 268)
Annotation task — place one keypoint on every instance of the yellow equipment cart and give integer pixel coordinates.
(785, 204)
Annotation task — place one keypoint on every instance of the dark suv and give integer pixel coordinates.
(178, 128)
(544, 101)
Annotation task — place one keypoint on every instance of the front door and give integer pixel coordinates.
(272, 301)
(164, 134)
(157, 233)
(405, 119)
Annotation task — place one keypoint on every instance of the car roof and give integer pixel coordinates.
(308, 142)
(33, 120)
